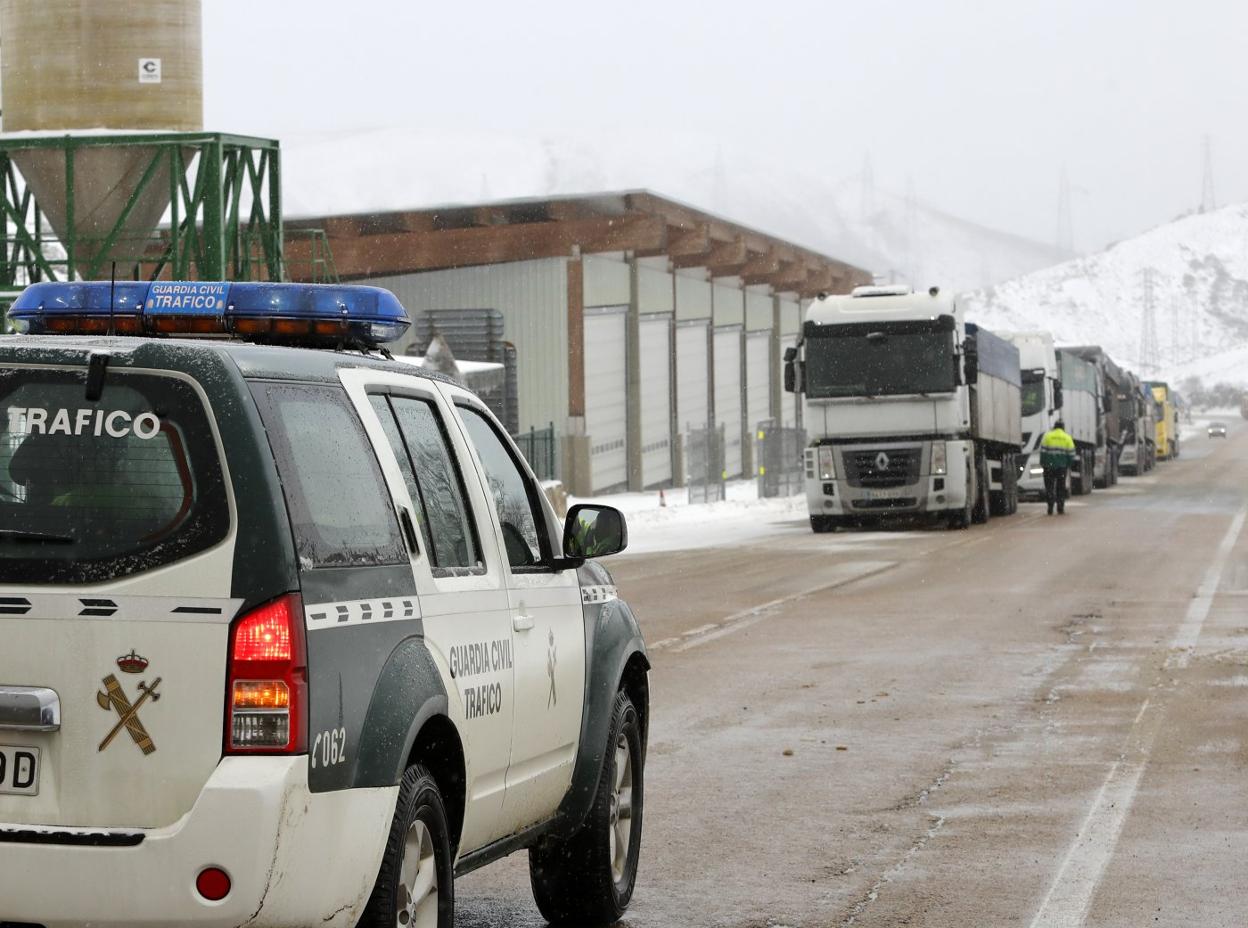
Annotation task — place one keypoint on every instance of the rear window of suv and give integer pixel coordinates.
(93, 491)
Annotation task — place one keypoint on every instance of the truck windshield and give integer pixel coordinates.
(879, 363)
(1033, 393)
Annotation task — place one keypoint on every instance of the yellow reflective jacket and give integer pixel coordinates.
(1057, 449)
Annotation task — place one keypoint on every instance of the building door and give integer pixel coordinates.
(757, 381)
(728, 395)
(606, 398)
(692, 377)
(656, 399)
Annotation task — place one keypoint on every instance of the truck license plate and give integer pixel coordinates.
(883, 494)
(19, 770)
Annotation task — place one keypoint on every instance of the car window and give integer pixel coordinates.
(434, 482)
(91, 491)
(509, 489)
(340, 510)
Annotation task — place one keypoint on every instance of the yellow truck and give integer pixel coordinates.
(1167, 420)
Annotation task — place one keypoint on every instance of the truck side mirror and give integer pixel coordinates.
(970, 360)
(792, 375)
(1057, 395)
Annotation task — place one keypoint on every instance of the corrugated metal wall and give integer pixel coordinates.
(533, 298)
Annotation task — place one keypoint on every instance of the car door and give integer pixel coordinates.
(547, 618)
(459, 574)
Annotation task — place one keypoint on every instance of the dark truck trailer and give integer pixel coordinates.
(1117, 409)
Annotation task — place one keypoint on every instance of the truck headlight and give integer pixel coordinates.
(1036, 471)
(938, 457)
(826, 471)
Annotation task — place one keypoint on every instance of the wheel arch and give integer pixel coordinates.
(438, 747)
(615, 658)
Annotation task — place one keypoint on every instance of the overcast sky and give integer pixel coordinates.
(981, 104)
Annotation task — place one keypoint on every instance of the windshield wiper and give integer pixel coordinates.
(17, 534)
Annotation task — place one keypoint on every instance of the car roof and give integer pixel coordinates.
(269, 362)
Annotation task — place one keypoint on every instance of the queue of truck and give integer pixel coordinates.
(911, 410)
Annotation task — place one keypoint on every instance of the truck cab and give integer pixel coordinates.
(909, 409)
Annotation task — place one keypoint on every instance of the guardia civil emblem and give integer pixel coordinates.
(113, 698)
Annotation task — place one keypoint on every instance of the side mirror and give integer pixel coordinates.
(970, 359)
(594, 531)
(792, 376)
(1057, 395)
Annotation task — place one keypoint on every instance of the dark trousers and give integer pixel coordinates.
(1055, 487)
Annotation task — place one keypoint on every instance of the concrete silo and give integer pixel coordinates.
(103, 126)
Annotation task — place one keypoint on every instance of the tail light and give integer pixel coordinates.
(267, 695)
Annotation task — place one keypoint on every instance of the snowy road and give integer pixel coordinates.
(1040, 722)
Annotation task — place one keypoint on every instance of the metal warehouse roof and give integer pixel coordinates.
(453, 236)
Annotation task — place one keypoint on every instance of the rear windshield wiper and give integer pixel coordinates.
(16, 534)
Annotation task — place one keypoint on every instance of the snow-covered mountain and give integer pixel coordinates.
(1194, 274)
(895, 237)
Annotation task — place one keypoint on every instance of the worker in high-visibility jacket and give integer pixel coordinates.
(1057, 453)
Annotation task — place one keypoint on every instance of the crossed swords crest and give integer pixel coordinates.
(114, 697)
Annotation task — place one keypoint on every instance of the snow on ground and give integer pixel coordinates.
(680, 525)
(741, 519)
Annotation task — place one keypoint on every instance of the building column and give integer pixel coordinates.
(775, 364)
(576, 473)
(632, 376)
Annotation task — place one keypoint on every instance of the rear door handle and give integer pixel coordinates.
(521, 622)
(29, 708)
(409, 530)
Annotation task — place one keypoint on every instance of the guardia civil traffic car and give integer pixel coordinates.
(289, 635)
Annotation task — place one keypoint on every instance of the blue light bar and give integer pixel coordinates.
(306, 314)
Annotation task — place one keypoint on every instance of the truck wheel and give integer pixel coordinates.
(588, 878)
(415, 887)
(821, 524)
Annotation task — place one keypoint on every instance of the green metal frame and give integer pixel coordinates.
(225, 213)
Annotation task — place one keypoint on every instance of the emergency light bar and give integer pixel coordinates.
(303, 314)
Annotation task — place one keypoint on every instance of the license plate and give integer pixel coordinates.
(19, 770)
(883, 494)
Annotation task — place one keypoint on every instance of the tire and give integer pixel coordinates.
(821, 524)
(588, 878)
(419, 830)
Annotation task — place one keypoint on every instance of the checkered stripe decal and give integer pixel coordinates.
(360, 612)
(592, 595)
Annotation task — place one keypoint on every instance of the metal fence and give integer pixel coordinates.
(540, 448)
(778, 452)
(704, 464)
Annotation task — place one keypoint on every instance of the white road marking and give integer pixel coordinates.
(1070, 895)
(746, 617)
(1189, 632)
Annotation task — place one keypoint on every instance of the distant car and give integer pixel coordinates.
(1217, 430)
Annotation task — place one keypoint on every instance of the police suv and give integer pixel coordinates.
(291, 636)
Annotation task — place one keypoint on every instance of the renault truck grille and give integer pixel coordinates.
(877, 468)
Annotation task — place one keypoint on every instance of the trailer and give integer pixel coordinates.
(1111, 425)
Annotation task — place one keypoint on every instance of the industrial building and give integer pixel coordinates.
(633, 317)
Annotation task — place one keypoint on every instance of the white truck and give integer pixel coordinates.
(1057, 385)
(909, 410)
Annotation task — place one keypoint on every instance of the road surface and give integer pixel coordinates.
(1040, 722)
